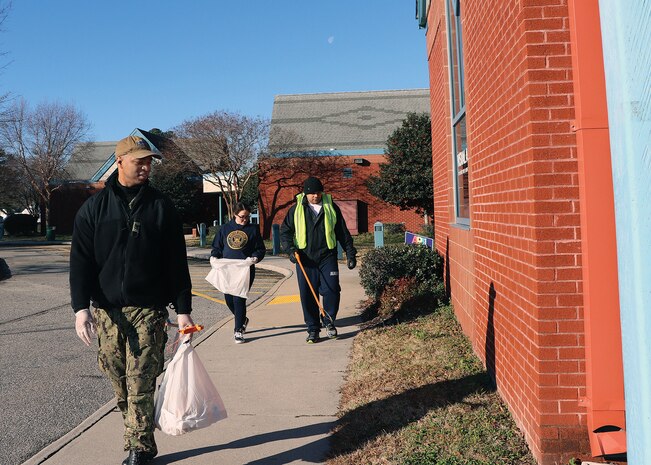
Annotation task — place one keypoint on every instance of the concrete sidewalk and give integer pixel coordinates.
(281, 394)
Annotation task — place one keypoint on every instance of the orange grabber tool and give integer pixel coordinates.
(190, 329)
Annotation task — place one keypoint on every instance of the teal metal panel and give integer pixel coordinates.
(421, 13)
(626, 35)
(107, 164)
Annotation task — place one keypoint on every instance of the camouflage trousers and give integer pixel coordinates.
(131, 353)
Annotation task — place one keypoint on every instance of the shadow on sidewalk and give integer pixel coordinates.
(312, 452)
(384, 416)
(254, 334)
(348, 321)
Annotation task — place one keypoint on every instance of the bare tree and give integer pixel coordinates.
(226, 146)
(284, 168)
(41, 141)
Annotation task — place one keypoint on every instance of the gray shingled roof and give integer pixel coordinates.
(96, 159)
(85, 162)
(346, 120)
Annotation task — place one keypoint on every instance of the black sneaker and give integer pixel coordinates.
(246, 322)
(312, 337)
(138, 457)
(331, 331)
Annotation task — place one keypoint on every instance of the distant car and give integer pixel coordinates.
(20, 224)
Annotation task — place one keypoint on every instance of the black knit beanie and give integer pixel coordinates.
(312, 185)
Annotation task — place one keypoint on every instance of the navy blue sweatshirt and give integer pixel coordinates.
(238, 241)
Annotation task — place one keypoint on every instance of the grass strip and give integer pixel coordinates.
(416, 394)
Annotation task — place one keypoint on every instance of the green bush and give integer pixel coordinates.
(427, 230)
(394, 228)
(383, 265)
(398, 297)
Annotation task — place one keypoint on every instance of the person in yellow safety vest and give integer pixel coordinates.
(312, 228)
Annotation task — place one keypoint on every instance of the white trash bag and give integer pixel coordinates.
(187, 398)
(230, 276)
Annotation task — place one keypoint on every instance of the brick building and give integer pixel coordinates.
(524, 212)
(340, 138)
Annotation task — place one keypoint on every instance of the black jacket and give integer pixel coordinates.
(238, 241)
(317, 247)
(129, 257)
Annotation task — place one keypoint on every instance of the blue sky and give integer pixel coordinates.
(146, 63)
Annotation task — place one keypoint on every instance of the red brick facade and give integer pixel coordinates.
(515, 275)
(282, 178)
(67, 200)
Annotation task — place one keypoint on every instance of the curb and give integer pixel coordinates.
(31, 243)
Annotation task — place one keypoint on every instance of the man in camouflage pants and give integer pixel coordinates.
(144, 329)
(128, 258)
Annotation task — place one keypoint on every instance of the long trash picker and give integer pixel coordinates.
(316, 297)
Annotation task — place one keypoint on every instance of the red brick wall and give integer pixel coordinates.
(282, 179)
(66, 201)
(515, 275)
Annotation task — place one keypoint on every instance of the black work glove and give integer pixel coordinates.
(352, 262)
(292, 256)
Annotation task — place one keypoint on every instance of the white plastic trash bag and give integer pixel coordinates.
(187, 398)
(230, 276)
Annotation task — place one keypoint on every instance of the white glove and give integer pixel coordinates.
(183, 320)
(85, 325)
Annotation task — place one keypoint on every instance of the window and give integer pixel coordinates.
(422, 7)
(348, 173)
(458, 109)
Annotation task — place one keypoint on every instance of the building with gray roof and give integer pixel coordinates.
(350, 130)
(346, 121)
(88, 158)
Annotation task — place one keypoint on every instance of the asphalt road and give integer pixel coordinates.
(50, 381)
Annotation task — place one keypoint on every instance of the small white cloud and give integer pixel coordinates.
(331, 39)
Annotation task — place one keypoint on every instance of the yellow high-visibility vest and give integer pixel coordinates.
(300, 227)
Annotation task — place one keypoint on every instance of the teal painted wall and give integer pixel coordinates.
(626, 35)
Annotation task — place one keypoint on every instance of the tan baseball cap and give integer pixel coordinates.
(135, 146)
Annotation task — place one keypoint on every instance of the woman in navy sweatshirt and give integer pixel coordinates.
(239, 239)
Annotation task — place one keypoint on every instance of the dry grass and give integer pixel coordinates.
(416, 394)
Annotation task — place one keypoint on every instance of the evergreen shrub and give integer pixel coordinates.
(427, 230)
(384, 265)
(394, 228)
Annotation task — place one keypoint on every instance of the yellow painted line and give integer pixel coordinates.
(199, 294)
(285, 299)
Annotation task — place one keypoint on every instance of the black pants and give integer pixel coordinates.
(324, 277)
(237, 305)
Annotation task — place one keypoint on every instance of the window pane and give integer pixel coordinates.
(460, 85)
(347, 173)
(459, 146)
(454, 57)
(463, 193)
